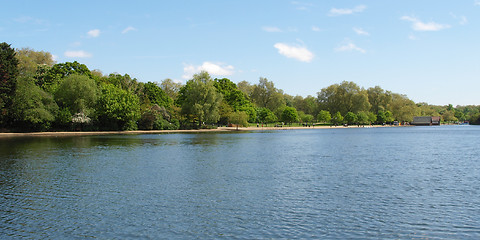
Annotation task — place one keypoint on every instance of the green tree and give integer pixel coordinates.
(372, 117)
(8, 80)
(156, 95)
(403, 109)
(199, 99)
(265, 94)
(350, 118)
(324, 116)
(171, 88)
(29, 60)
(118, 109)
(289, 115)
(234, 97)
(337, 118)
(78, 93)
(362, 118)
(33, 108)
(266, 116)
(379, 99)
(50, 78)
(239, 119)
(343, 98)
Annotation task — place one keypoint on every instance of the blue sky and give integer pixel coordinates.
(428, 50)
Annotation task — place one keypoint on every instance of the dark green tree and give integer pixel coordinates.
(8, 81)
(156, 95)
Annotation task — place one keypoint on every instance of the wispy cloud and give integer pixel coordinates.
(212, 68)
(299, 53)
(28, 19)
(476, 3)
(346, 11)
(302, 5)
(462, 20)
(348, 46)
(412, 37)
(316, 29)
(93, 33)
(418, 25)
(271, 29)
(360, 31)
(128, 29)
(77, 54)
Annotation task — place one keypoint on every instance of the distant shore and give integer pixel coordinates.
(220, 129)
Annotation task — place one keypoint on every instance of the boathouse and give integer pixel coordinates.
(426, 121)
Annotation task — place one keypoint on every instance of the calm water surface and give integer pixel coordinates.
(385, 183)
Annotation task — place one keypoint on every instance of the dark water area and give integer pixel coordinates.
(372, 183)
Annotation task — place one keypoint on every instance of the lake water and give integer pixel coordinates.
(371, 183)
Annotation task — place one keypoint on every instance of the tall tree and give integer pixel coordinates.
(343, 98)
(8, 80)
(234, 97)
(171, 88)
(29, 60)
(265, 94)
(289, 115)
(199, 99)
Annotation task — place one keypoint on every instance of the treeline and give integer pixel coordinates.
(37, 94)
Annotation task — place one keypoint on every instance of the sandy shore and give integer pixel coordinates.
(220, 129)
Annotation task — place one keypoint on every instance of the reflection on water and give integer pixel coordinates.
(387, 183)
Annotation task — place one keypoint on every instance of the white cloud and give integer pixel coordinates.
(463, 20)
(212, 68)
(93, 33)
(300, 53)
(346, 11)
(360, 31)
(476, 3)
(271, 29)
(349, 46)
(301, 5)
(316, 29)
(128, 29)
(77, 54)
(418, 25)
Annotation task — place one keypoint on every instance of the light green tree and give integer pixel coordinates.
(337, 118)
(362, 118)
(239, 119)
(324, 116)
(33, 108)
(117, 109)
(350, 118)
(199, 99)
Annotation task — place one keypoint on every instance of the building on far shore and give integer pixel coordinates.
(426, 121)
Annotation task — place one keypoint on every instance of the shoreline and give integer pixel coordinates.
(138, 132)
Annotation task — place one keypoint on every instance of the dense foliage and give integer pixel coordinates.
(37, 94)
